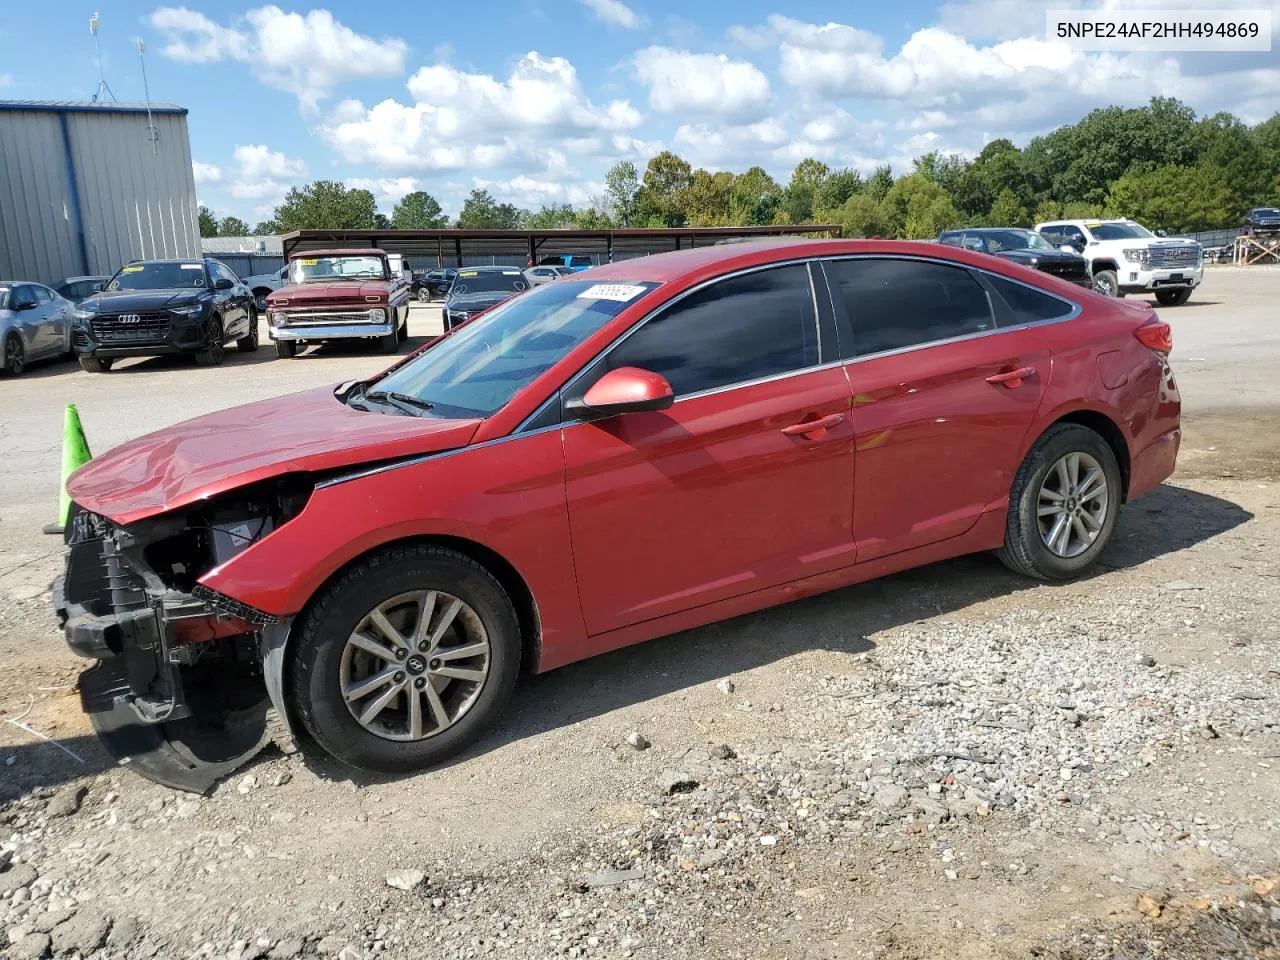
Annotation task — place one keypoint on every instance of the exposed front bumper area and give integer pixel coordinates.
(1134, 279)
(337, 331)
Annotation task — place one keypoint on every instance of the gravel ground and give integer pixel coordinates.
(952, 759)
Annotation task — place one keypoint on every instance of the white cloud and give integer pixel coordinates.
(613, 12)
(305, 54)
(263, 173)
(533, 192)
(6, 79)
(388, 191)
(206, 172)
(701, 83)
(730, 147)
(460, 119)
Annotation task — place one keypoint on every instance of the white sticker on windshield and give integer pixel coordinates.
(193, 266)
(622, 292)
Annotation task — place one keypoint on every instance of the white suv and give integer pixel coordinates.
(1126, 257)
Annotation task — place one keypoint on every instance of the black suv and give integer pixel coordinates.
(1262, 220)
(476, 289)
(154, 307)
(1021, 246)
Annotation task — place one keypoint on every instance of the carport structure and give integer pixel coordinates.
(462, 247)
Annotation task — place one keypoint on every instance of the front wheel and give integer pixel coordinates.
(249, 342)
(1173, 298)
(286, 349)
(96, 364)
(1063, 504)
(1106, 283)
(405, 660)
(15, 357)
(391, 342)
(214, 351)
(424, 295)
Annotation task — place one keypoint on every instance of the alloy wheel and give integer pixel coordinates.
(260, 301)
(15, 361)
(1072, 506)
(414, 665)
(1104, 286)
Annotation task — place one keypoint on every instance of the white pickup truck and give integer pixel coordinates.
(1126, 257)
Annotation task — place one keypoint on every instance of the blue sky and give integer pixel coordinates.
(535, 100)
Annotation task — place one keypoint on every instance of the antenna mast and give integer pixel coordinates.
(152, 135)
(103, 88)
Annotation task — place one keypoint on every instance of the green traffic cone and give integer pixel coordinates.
(75, 453)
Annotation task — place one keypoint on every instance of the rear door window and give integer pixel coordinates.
(895, 304)
(1027, 304)
(737, 330)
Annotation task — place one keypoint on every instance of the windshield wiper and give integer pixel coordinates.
(402, 400)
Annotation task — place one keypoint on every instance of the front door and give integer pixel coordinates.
(947, 376)
(744, 483)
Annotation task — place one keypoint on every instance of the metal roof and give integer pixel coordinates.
(85, 106)
(270, 245)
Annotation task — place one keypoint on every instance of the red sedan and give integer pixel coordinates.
(635, 450)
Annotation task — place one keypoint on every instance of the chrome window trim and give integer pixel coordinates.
(667, 304)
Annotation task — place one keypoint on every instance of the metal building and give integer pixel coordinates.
(86, 187)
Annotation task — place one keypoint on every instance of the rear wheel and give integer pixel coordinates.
(249, 342)
(214, 350)
(424, 295)
(1063, 505)
(15, 357)
(286, 349)
(1173, 298)
(96, 364)
(1106, 283)
(260, 299)
(405, 660)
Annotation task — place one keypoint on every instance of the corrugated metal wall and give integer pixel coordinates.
(133, 202)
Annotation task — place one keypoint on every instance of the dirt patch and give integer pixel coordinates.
(1241, 443)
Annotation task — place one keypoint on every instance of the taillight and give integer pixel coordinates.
(1157, 335)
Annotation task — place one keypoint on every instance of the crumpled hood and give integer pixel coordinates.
(141, 301)
(330, 291)
(297, 433)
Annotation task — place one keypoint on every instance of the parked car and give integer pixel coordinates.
(339, 295)
(156, 307)
(1126, 257)
(541, 275)
(35, 324)
(476, 289)
(1021, 246)
(263, 283)
(574, 262)
(439, 281)
(76, 289)
(664, 443)
(1262, 220)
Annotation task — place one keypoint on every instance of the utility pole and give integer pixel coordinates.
(103, 88)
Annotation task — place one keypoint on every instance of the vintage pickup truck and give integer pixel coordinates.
(337, 295)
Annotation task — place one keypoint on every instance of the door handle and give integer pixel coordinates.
(1012, 378)
(807, 428)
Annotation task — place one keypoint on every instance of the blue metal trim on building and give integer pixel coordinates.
(77, 221)
(35, 106)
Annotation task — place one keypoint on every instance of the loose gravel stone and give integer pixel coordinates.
(676, 781)
(405, 879)
(83, 934)
(66, 801)
(17, 876)
(637, 740)
(31, 947)
(612, 878)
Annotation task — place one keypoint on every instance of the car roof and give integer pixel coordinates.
(339, 252)
(987, 229)
(79, 279)
(494, 269)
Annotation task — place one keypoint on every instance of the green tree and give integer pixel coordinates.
(880, 182)
(862, 216)
(418, 211)
(232, 227)
(265, 228)
(1009, 211)
(918, 208)
(591, 218)
(208, 222)
(621, 184)
(708, 199)
(667, 179)
(326, 205)
(482, 212)
(1176, 198)
(754, 197)
(802, 192)
(381, 221)
(832, 193)
(554, 217)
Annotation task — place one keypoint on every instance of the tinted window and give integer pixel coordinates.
(1119, 231)
(23, 296)
(893, 304)
(1053, 235)
(43, 294)
(1027, 304)
(223, 272)
(166, 275)
(744, 328)
(488, 281)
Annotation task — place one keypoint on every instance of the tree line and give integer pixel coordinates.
(1158, 164)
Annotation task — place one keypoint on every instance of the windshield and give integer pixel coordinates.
(312, 269)
(475, 371)
(159, 276)
(1016, 240)
(488, 281)
(4, 298)
(1118, 231)
(1266, 212)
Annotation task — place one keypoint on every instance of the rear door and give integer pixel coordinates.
(725, 492)
(947, 377)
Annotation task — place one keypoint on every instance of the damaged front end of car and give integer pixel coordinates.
(186, 684)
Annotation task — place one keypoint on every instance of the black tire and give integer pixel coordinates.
(249, 342)
(96, 364)
(1107, 283)
(260, 298)
(285, 349)
(1024, 549)
(214, 351)
(1173, 298)
(315, 659)
(391, 342)
(15, 356)
(423, 295)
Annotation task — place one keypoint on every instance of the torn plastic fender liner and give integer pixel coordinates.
(274, 637)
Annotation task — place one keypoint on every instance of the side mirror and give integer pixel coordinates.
(25, 305)
(99, 287)
(625, 390)
(1161, 233)
(223, 284)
